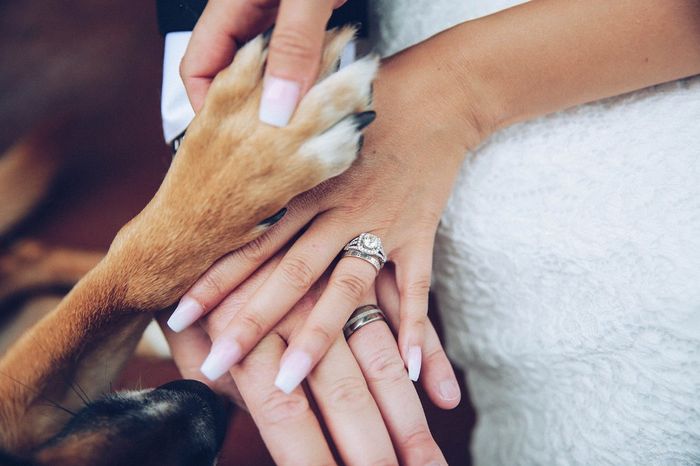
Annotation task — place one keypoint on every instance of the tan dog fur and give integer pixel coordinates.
(230, 173)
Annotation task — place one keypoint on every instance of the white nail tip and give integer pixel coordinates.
(414, 362)
(185, 314)
(224, 354)
(278, 101)
(293, 370)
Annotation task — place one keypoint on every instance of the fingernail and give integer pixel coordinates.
(294, 368)
(185, 314)
(279, 99)
(414, 362)
(449, 390)
(224, 354)
(274, 219)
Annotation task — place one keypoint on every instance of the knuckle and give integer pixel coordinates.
(253, 323)
(349, 394)
(257, 250)
(293, 42)
(385, 366)
(356, 205)
(418, 288)
(279, 408)
(434, 355)
(418, 438)
(321, 334)
(351, 286)
(297, 272)
(184, 68)
(213, 283)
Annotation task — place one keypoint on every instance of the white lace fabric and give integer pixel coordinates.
(567, 272)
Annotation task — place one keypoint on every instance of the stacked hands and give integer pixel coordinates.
(275, 308)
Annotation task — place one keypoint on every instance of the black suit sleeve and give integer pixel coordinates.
(178, 15)
(182, 15)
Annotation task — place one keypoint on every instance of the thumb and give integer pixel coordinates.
(294, 57)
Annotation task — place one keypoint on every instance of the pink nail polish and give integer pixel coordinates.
(185, 314)
(224, 354)
(414, 362)
(279, 99)
(449, 390)
(295, 367)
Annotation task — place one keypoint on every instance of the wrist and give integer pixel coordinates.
(442, 83)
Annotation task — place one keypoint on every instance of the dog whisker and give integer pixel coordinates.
(41, 395)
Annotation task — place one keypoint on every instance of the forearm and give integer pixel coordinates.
(548, 55)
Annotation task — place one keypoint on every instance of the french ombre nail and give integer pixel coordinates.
(278, 101)
(185, 314)
(414, 362)
(224, 354)
(295, 367)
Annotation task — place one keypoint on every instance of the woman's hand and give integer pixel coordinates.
(361, 389)
(294, 52)
(396, 190)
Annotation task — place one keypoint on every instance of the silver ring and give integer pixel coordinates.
(367, 247)
(362, 316)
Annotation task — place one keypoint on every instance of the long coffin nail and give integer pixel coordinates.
(224, 354)
(269, 221)
(414, 362)
(185, 314)
(294, 369)
(279, 99)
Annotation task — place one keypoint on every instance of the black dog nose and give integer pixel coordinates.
(219, 407)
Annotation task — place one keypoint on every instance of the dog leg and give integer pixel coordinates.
(231, 172)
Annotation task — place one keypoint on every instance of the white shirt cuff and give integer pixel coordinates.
(175, 107)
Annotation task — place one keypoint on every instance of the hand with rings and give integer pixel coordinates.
(395, 192)
(359, 386)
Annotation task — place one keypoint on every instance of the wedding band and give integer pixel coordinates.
(367, 247)
(362, 316)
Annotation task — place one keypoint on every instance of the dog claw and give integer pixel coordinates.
(364, 119)
(268, 222)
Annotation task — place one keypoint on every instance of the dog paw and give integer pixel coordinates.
(232, 171)
(229, 143)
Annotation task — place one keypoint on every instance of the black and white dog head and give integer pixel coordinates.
(182, 423)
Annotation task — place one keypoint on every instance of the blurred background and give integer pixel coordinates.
(81, 151)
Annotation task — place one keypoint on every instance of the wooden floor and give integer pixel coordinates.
(93, 74)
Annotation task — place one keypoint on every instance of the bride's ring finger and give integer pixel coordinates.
(352, 277)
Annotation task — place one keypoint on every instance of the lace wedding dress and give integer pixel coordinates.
(567, 270)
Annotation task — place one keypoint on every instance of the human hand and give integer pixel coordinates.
(396, 190)
(294, 52)
(360, 387)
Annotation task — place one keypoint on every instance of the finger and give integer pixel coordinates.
(189, 348)
(347, 285)
(303, 264)
(438, 379)
(294, 57)
(287, 425)
(349, 410)
(413, 270)
(232, 269)
(376, 352)
(223, 26)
